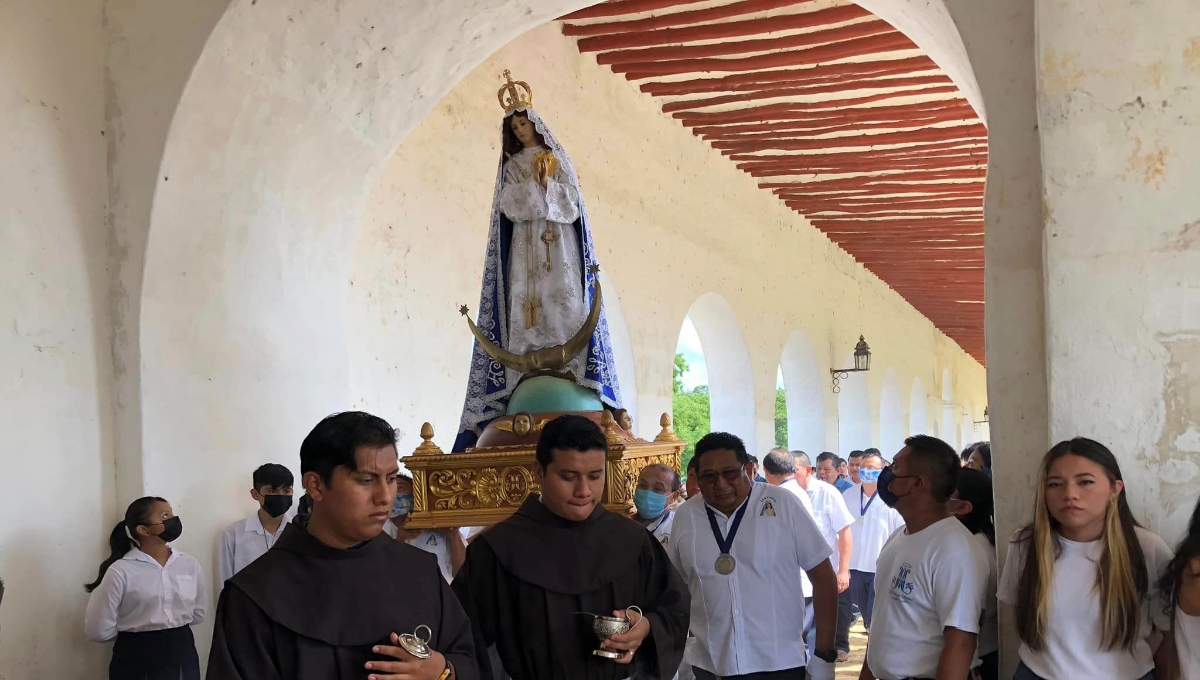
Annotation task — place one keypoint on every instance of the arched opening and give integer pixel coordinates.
(803, 383)
(891, 416)
(727, 362)
(947, 421)
(854, 412)
(690, 393)
(918, 409)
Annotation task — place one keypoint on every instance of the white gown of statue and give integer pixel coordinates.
(545, 303)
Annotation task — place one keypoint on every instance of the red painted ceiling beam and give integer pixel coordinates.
(883, 187)
(981, 173)
(829, 118)
(967, 146)
(618, 7)
(755, 79)
(720, 49)
(872, 164)
(882, 205)
(677, 18)
(930, 135)
(876, 44)
(819, 109)
(797, 160)
(907, 215)
(816, 130)
(787, 89)
(619, 38)
(847, 168)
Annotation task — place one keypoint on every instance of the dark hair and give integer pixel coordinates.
(714, 441)
(1188, 550)
(119, 543)
(569, 433)
(827, 455)
(1044, 543)
(841, 461)
(976, 487)
(692, 464)
(801, 458)
(512, 145)
(966, 453)
(870, 450)
(676, 482)
(779, 463)
(273, 475)
(866, 455)
(856, 454)
(985, 450)
(335, 440)
(937, 461)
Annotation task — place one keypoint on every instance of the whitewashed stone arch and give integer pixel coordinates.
(947, 419)
(804, 385)
(854, 411)
(918, 409)
(891, 415)
(727, 358)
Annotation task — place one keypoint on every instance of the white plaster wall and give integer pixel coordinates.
(678, 230)
(891, 415)
(55, 356)
(1121, 159)
(805, 385)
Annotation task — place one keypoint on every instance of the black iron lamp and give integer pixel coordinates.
(862, 362)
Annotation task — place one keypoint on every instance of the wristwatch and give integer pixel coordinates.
(828, 656)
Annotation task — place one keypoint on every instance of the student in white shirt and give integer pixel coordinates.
(1082, 576)
(779, 467)
(247, 539)
(835, 522)
(932, 574)
(449, 545)
(874, 522)
(972, 503)
(147, 596)
(1180, 586)
(740, 547)
(658, 488)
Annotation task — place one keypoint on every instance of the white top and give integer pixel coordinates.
(243, 542)
(798, 491)
(831, 514)
(661, 527)
(1187, 641)
(137, 594)
(927, 581)
(989, 626)
(870, 530)
(1073, 633)
(430, 542)
(752, 620)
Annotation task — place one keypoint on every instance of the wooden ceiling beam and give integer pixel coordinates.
(815, 74)
(929, 135)
(621, 39)
(792, 111)
(669, 53)
(876, 44)
(979, 173)
(618, 7)
(958, 146)
(790, 89)
(885, 188)
(676, 18)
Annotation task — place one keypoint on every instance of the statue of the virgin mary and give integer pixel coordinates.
(541, 309)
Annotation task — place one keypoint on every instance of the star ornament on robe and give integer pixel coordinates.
(594, 269)
(463, 310)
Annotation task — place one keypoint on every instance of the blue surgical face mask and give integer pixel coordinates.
(403, 504)
(649, 504)
(868, 476)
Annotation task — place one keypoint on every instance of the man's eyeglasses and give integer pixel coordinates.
(731, 475)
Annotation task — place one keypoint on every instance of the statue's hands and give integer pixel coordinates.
(544, 166)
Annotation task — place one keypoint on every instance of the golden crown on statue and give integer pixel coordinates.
(514, 95)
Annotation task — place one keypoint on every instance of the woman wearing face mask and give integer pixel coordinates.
(972, 503)
(147, 596)
(447, 544)
(1081, 576)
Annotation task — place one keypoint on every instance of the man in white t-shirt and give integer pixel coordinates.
(874, 522)
(932, 577)
(658, 489)
(836, 522)
(740, 547)
(449, 545)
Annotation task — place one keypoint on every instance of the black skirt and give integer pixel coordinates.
(155, 655)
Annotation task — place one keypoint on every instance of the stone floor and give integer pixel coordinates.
(858, 650)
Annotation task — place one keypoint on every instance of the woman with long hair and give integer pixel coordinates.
(1180, 586)
(973, 504)
(1080, 576)
(147, 595)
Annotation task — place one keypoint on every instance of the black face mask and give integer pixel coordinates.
(277, 505)
(884, 489)
(172, 529)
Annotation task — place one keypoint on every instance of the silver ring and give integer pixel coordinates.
(417, 634)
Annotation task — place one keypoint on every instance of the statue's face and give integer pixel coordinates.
(524, 131)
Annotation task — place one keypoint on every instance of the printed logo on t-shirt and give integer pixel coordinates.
(902, 587)
(768, 507)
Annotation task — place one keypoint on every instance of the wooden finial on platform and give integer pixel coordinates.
(667, 434)
(427, 447)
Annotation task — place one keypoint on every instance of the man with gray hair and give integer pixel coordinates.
(833, 519)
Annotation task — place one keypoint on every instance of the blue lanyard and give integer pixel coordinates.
(725, 544)
(862, 509)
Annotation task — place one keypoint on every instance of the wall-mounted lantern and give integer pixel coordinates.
(862, 362)
(986, 419)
